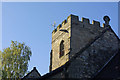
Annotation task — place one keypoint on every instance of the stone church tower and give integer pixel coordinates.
(81, 50)
(61, 43)
(72, 36)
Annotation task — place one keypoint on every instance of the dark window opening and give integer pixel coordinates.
(61, 49)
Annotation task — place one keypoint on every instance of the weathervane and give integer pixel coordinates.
(54, 25)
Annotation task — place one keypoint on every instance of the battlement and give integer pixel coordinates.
(85, 20)
(96, 23)
(75, 19)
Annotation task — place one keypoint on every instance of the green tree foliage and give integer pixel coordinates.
(15, 60)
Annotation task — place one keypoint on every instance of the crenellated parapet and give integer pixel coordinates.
(85, 20)
(75, 19)
(96, 23)
(66, 21)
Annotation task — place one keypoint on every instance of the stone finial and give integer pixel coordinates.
(106, 19)
(34, 68)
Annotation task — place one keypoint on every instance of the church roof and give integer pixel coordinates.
(107, 66)
(52, 73)
(33, 74)
(111, 69)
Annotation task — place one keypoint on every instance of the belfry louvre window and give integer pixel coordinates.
(61, 49)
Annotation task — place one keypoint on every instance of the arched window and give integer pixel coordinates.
(61, 49)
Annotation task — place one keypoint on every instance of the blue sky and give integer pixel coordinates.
(30, 22)
(60, 0)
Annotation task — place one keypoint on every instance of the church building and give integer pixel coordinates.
(81, 50)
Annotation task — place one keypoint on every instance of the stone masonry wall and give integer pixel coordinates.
(57, 37)
(82, 32)
(76, 38)
(79, 34)
(89, 62)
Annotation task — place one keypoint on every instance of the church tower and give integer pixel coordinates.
(81, 50)
(61, 43)
(70, 37)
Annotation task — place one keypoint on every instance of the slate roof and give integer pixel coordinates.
(111, 70)
(34, 69)
(52, 73)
